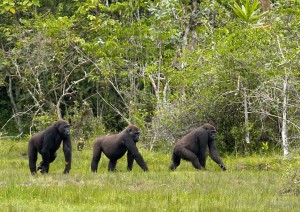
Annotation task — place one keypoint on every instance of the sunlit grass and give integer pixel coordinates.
(251, 183)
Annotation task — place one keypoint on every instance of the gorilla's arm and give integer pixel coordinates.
(67, 148)
(133, 153)
(214, 154)
(47, 142)
(130, 160)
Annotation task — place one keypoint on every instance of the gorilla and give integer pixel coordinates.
(115, 146)
(46, 143)
(192, 147)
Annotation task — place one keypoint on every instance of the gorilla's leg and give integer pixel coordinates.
(95, 160)
(46, 160)
(32, 154)
(188, 155)
(112, 165)
(202, 157)
(52, 158)
(175, 162)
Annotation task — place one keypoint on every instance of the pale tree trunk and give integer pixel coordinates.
(189, 27)
(247, 136)
(284, 136)
(159, 87)
(284, 118)
(58, 110)
(265, 4)
(157, 90)
(246, 117)
(14, 106)
(190, 24)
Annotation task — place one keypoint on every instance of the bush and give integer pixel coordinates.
(291, 180)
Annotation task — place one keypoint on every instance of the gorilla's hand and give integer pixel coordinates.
(67, 168)
(223, 167)
(66, 171)
(44, 169)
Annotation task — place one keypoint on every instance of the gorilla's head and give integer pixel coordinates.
(134, 132)
(63, 127)
(210, 129)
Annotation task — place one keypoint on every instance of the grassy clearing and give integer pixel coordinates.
(251, 184)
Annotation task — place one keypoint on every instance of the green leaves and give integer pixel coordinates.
(247, 12)
(7, 5)
(12, 7)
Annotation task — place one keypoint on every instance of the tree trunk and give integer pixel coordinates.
(285, 144)
(14, 106)
(265, 4)
(246, 117)
(189, 29)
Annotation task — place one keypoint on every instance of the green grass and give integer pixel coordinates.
(252, 183)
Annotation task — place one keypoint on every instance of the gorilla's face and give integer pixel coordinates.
(213, 133)
(211, 130)
(64, 128)
(134, 133)
(136, 136)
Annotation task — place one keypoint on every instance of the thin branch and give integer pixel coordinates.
(66, 92)
(114, 108)
(280, 49)
(15, 115)
(165, 90)
(35, 114)
(13, 137)
(154, 86)
(98, 68)
(24, 79)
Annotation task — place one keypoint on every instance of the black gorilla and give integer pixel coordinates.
(192, 147)
(47, 143)
(115, 146)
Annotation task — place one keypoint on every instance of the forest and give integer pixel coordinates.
(167, 66)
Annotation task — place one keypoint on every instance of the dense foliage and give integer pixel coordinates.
(167, 66)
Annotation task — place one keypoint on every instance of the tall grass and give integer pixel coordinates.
(251, 184)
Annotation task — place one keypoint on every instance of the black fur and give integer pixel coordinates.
(47, 143)
(192, 147)
(115, 146)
